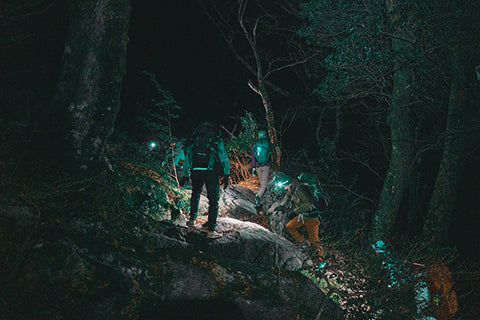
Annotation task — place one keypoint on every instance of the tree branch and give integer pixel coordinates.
(252, 86)
(290, 65)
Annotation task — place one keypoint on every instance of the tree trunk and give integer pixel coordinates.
(452, 163)
(261, 88)
(401, 156)
(94, 64)
(272, 131)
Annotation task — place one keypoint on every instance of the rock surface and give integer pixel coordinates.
(249, 269)
(248, 273)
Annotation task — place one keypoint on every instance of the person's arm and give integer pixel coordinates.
(223, 156)
(286, 198)
(187, 164)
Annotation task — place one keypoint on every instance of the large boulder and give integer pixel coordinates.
(237, 202)
(234, 201)
(252, 243)
(252, 272)
(249, 273)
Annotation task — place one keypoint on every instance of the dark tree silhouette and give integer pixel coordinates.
(462, 118)
(87, 98)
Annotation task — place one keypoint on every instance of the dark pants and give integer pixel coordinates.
(210, 179)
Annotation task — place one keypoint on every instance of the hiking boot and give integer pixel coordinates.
(214, 235)
(190, 223)
(320, 265)
(303, 245)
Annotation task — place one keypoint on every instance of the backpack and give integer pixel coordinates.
(262, 151)
(204, 150)
(314, 188)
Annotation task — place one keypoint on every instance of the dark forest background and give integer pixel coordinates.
(379, 99)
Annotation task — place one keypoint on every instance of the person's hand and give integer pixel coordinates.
(254, 172)
(224, 181)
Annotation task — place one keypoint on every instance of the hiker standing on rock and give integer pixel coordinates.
(307, 210)
(262, 159)
(206, 161)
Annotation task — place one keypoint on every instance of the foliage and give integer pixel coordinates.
(360, 62)
(157, 120)
(72, 240)
(239, 148)
(368, 284)
(69, 244)
(147, 184)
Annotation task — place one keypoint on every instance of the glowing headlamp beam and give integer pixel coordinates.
(152, 144)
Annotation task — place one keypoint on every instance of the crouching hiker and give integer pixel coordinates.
(306, 211)
(206, 161)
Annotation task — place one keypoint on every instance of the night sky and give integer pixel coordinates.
(176, 41)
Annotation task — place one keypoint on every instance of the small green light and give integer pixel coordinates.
(281, 184)
(152, 144)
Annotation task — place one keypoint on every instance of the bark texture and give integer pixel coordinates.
(452, 163)
(94, 64)
(402, 152)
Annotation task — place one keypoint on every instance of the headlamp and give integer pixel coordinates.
(152, 144)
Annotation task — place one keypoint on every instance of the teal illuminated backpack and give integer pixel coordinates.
(261, 150)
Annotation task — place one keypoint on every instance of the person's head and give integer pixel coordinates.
(289, 183)
(279, 181)
(292, 184)
(207, 127)
(262, 134)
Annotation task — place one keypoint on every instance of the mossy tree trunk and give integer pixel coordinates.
(87, 97)
(452, 163)
(402, 145)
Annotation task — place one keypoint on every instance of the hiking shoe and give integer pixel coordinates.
(190, 223)
(303, 245)
(214, 235)
(320, 265)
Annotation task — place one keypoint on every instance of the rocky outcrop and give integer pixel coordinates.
(250, 243)
(249, 273)
(138, 267)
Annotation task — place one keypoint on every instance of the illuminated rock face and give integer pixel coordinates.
(250, 271)
(239, 202)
